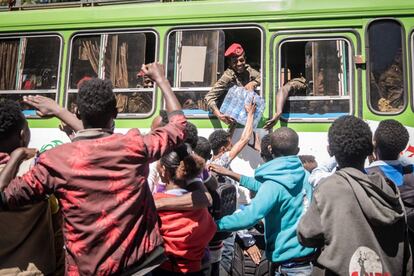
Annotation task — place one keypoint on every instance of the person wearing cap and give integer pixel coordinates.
(238, 73)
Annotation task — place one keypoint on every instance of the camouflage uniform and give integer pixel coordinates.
(216, 95)
(391, 89)
(297, 87)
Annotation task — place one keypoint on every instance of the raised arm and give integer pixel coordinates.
(10, 170)
(247, 132)
(46, 107)
(281, 98)
(32, 187)
(155, 71)
(163, 139)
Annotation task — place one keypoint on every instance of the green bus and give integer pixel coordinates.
(356, 57)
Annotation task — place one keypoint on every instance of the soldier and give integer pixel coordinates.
(239, 73)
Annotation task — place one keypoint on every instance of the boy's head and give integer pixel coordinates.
(309, 162)
(220, 141)
(390, 139)
(350, 141)
(265, 153)
(14, 130)
(191, 135)
(203, 148)
(96, 103)
(284, 142)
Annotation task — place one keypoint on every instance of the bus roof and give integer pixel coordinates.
(194, 11)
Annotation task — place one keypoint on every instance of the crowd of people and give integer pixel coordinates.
(167, 203)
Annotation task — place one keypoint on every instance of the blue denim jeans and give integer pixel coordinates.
(302, 270)
(228, 253)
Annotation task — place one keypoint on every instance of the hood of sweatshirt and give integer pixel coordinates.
(285, 170)
(378, 200)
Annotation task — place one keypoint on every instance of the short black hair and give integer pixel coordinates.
(191, 135)
(264, 148)
(203, 148)
(284, 142)
(96, 102)
(219, 138)
(391, 138)
(12, 119)
(350, 141)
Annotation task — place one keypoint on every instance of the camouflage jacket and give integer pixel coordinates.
(216, 95)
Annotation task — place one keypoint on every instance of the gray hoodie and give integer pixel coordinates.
(358, 221)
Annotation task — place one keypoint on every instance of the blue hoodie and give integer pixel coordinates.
(282, 191)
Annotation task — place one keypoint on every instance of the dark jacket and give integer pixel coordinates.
(359, 222)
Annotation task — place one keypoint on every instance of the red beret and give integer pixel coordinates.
(234, 50)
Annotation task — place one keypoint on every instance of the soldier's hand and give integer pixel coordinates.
(155, 71)
(250, 86)
(272, 122)
(225, 118)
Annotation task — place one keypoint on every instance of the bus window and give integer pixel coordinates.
(385, 66)
(29, 65)
(317, 72)
(196, 61)
(117, 57)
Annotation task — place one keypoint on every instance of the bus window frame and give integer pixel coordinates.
(101, 32)
(367, 71)
(312, 35)
(40, 92)
(411, 73)
(208, 114)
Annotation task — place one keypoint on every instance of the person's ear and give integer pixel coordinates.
(297, 150)
(329, 150)
(77, 114)
(269, 148)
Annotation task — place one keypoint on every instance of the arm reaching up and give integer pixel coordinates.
(155, 71)
(247, 132)
(46, 107)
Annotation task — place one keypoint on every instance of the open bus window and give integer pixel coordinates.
(385, 67)
(318, 74)
(117, 57)
(29, 65)
(196, 61)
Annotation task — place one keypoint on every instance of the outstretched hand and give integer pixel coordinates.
(45, 107)
(155, 71)
(254, 254)
(271, 122)
(218, 169)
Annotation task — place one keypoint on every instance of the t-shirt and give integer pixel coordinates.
(186, 235)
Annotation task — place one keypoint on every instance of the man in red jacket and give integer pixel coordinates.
(100, 179)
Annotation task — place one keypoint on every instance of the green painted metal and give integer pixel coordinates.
(272, 16)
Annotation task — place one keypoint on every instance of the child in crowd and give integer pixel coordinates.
(356, 219)
(186, 233)
(283, 194)
(223, 154)
(110, 222)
